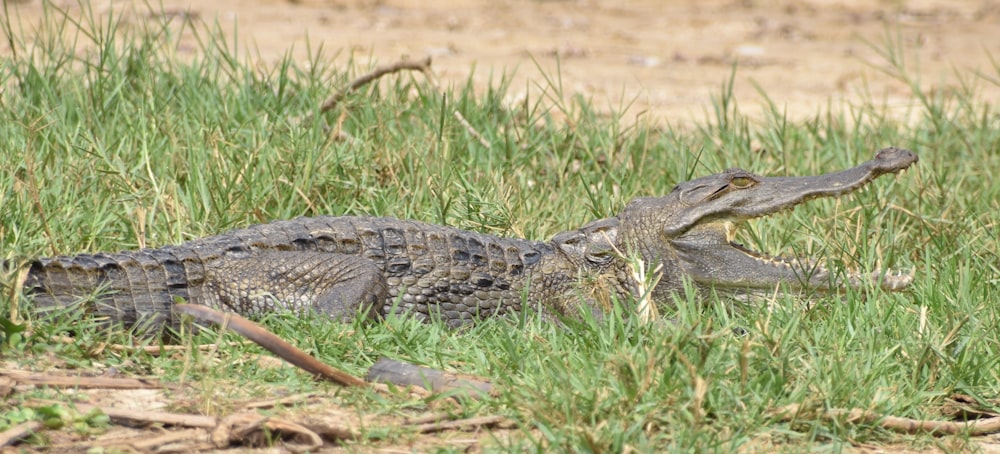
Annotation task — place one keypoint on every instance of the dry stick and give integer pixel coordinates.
(428, 418)
(270, 403)
(480, 421)
(67, 381)
(187, 440)
(472, 131)
(149, 417)
(237, 425)
(271, 343)
(385, 370)
(9, 436)
(422, 66)
(899, 424)
(146, 444)
(272, 425)
(242, 426)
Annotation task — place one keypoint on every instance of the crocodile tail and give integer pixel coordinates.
(136, 289)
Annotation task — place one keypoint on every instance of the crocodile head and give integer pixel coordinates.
(690, 231)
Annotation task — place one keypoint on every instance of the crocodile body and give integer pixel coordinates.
(334, 265)
(343, 266)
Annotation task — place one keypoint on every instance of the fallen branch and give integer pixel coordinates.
(422, 65)
(17, 432)
(66, 381)
(270, 342)
(383, 371)
(896, 423)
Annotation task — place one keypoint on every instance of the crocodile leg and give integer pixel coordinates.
(262, 281)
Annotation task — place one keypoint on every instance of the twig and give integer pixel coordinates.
(423, 66)
(9, 436)
(428, 418)
(472, 131)
(298, 190)
(149, 417)
(385, 370)
(66, 381)
(480, 421)
(896, 423)
(338, 129)
(271, 343)
(310, 440)
(186, 440)
(270, 403)
(146, 444)
(244, 427)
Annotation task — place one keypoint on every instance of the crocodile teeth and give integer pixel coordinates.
(814, 271)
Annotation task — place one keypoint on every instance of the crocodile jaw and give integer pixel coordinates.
(697, 221)
(701, 250)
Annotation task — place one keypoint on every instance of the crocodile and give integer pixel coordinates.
(345, 267)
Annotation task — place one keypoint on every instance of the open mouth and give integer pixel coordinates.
(702, 233)
(709, 254)
(811, 274)
(696, 225)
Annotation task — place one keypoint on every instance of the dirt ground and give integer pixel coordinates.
(662, 59)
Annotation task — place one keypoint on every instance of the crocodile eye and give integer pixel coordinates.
(741, 182)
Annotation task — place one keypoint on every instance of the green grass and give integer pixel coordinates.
(121, 144)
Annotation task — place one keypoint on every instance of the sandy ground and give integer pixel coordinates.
(663, 60)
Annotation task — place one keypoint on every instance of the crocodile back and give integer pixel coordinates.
(428, 269)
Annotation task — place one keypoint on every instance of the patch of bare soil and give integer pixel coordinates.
(660, 60)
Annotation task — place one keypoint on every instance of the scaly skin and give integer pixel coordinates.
(334, 265)
(340, 266)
